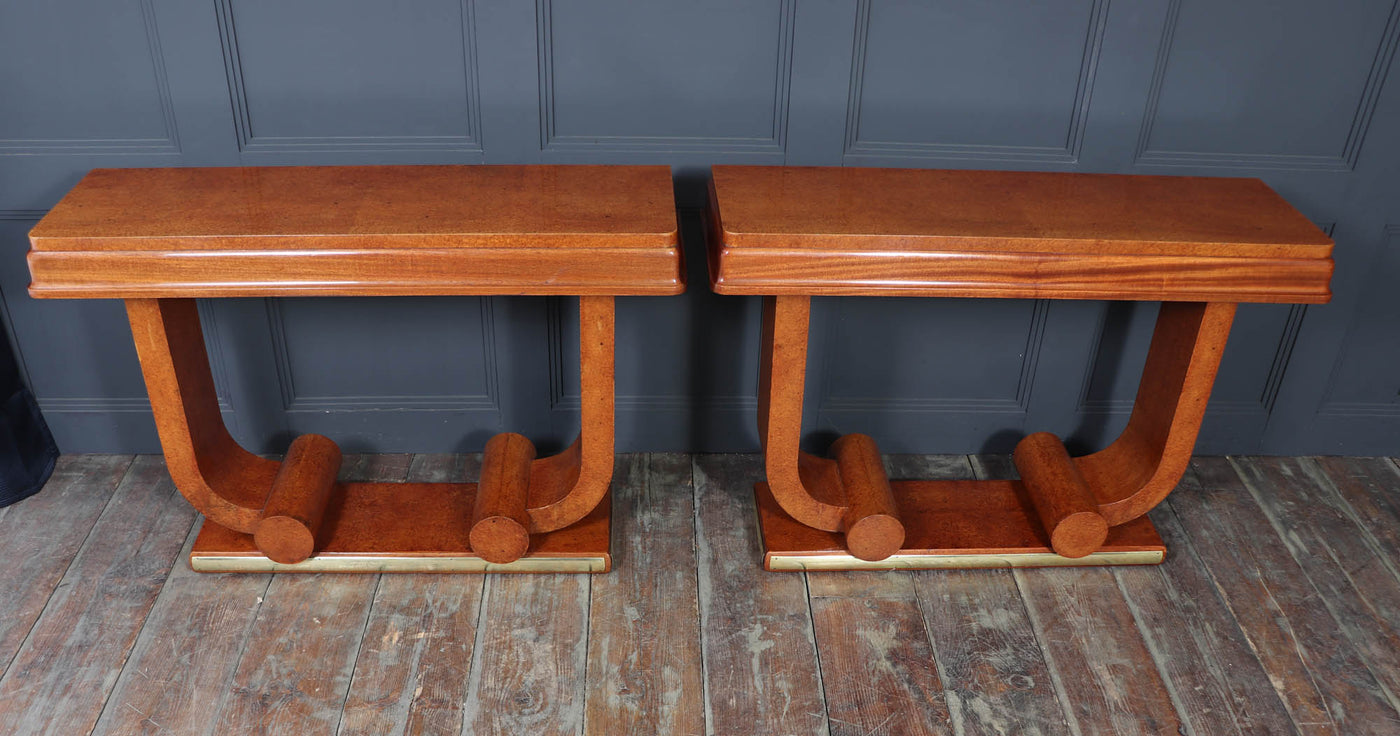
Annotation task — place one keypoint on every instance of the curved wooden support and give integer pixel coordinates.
(282, 504)
(296, 505)
(807, 487)
(1145, 463)
(500, 525)
(226, 483)
(850, 494)
(1067, 508)
(566, 487)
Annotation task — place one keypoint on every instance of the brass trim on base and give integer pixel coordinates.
(384, 563)
(819, 562)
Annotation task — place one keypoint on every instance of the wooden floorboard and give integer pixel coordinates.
(1277, 611)
(183, 662)
(1357, 583)
(39, 538)
(60, 680)
(878, 667)
(1318, 673)
(530, 658)
(531, 653)
(1216, 682)
(1100, 664)
(294, 672)
(413, 665)
(760, 652)
(991, 661)
(644, 664)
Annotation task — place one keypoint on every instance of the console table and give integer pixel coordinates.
(1198, 245)
(160, 238)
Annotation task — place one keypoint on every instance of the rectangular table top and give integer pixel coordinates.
(918, 232)
(361, 230)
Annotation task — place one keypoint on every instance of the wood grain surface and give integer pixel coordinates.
(412, 670)
(57, 521)
(294, 671)
(182, 666)
(1351, 571)
(528, 670)
(645, 669)
(878, 667)
(993, 670)
(361, 230)
(1009, 211)
(1324, 683)
(1098, 660)
(761, 669)
(1216, 682)
(60, 680)
(363, 207)
(834, 231)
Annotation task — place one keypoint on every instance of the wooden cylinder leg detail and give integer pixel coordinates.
(1063, 501)
(500, 531)
(297, 503)
(872, 526)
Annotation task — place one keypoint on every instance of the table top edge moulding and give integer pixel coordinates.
(161, 238)
(1002, 234)
(1198, 245)
(361, 230)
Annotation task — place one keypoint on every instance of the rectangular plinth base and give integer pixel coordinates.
(950, 524)
(408, 527)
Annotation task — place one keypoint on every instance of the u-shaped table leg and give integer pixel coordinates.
(294, 516)
(843, 514)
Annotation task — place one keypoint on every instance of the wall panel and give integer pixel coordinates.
(935, 80)
(325, 75)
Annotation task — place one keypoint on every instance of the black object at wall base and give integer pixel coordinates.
(27, 450)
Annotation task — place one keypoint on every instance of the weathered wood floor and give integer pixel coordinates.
(1277, 612)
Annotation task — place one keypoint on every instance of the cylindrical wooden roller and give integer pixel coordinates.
(872, 526)
(500, 530)
(1065, 503)
(292, 515)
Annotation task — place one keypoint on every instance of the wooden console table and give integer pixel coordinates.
(160, 238)
(1199, 245)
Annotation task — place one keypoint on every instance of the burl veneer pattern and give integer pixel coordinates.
(1198, 245)
(158, 238)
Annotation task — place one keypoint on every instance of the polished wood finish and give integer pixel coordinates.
(360, 231)
(398, 527)
(409, 527)
(161, 237)
(223, 481)
(1063, 501)
(871, 523)
(905, 232)
(296, 505)
(950, 524)
(1199, 245)
(500, 525)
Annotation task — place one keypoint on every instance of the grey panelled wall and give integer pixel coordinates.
(1293, 92)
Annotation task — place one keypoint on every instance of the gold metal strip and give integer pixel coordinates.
(370, 564)
(790, 562)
